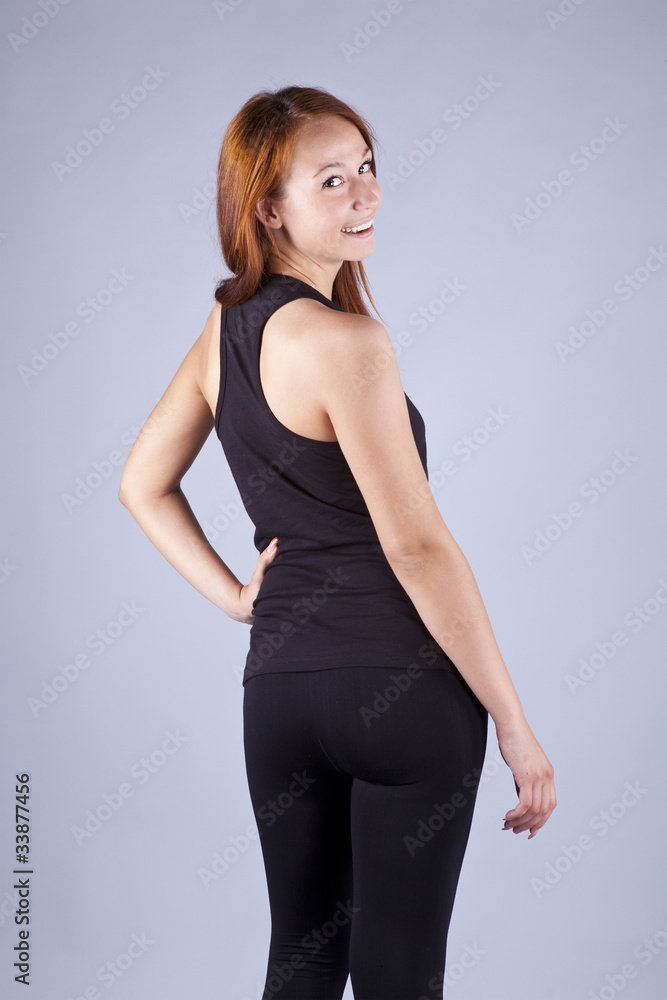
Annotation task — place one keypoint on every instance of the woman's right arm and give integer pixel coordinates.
(358, 383)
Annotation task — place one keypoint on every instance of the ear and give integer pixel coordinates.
(265, 211)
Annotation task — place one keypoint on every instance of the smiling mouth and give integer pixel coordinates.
(361, 228)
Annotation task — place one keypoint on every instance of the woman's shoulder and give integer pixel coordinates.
(328, 326)
(322, 339)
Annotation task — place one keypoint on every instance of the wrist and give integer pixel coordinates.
(230, 601)
(510, 721)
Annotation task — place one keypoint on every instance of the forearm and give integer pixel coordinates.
(442, 587)
(170, 524)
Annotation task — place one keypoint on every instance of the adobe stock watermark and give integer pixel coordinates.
(121, 107)
(7, 568)
(425, 316)
(268, 814)
(162, 410)
(601, 824)
(200, 199)
(32, 24)
(141, 771)
(470, 956)
(224, 7)
(421, 318)
(403, 680)
(581, 158)
(626, 287)
(364, 34)
(465, 448)
(226, 514)
(103, 470)
(87, 310)
(645, 952)
(274, 808)
(635, 620)
(454, 117)
(565, 10)
(109, 973)
(9, 905)
(266, 475)
(443, 812)
(238, 327)
(382, 701)
(265, 644)
(470, 445)
(222, 861)
(592, 490)
(313, 943)
(98, 642)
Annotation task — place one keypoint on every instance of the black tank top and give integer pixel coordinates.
(329, 598)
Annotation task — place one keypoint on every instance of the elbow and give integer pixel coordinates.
(126, 494)
(138, 495)
(412, 562)
(125, 488)
(417, 555)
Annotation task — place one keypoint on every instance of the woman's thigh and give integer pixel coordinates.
(301, 803)
(416, 752)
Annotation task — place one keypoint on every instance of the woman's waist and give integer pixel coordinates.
(337, 576)
(310, 636)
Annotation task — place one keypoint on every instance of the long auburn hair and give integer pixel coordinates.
(254, 157)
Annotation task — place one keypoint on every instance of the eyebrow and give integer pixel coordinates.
(338, 164)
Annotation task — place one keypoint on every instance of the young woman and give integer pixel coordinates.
(372, 665)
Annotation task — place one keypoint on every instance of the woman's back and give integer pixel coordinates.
(284, 366)
(330, 597)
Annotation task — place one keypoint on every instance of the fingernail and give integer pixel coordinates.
(273, 545)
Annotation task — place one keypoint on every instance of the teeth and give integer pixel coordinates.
(358, 229)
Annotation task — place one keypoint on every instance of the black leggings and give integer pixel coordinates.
(363, 783)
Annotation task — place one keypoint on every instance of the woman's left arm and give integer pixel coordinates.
(150, 488)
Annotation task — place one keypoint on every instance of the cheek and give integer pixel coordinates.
(326, 226)
(320, 221)
(316, 224)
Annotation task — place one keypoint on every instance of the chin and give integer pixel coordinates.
(364, 249)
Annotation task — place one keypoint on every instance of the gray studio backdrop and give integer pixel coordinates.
(520, 270)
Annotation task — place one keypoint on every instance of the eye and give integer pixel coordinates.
(335, 177)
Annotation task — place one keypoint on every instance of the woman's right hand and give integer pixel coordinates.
(533, 779)
(248, 592)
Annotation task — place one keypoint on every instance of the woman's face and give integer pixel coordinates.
(328, 188)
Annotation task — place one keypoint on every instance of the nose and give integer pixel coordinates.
(368, 193)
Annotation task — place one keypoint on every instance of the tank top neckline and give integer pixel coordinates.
(291, 277)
